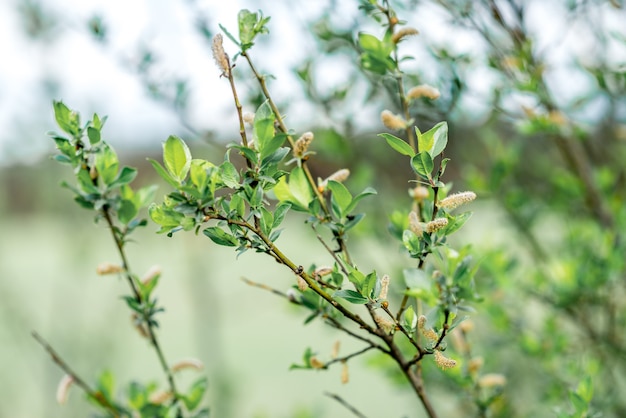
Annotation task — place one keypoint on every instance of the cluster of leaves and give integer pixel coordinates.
(244, 205)
(104, 187)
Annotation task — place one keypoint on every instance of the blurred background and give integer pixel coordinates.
(520, 83)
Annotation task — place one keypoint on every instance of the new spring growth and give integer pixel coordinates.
(63, 389)
(443, 362)
(339, 176)
(302, 144)
(190, 363)
(403, 33)
(219, 55)
(455, 200)
(322, 271)
(423, 90)
(435, 225)
(426, 332)
(393, 122)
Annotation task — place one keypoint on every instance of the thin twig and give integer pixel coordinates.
(344, 403)
(98, 398)
(119, 243)
(348, 357)
(271, 290)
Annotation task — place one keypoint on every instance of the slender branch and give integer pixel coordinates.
(242, 126)
(348, 357)
(270, 289)
(119, 243)
(334, 323)
(115, 410)
(344, 403)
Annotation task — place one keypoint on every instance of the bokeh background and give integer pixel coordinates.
(147, 65)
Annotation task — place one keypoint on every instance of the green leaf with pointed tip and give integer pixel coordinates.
(230, 175)
(194, 396)
(368, 284)
(340, 198)
(434, 140)
(127, 211)
(125, 176)
(355, 201)
(455, 223)
(264, 128)
(398, 144)
(279, 213)
(164, 174)
(107, 164)
(198, 173)
(67, 120)
(93, 134)
(177, 157)
(220, 237)
(145, 195)
(299, 187)
(165, 217)
(351, 296)
(422, 164)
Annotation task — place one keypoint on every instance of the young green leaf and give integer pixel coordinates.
(340, 198)
(177, 157)
(107, 164)
(220, 237)
(398, 144)
(230, 175)
(93, 134)
(164, 174)
(299, 187)
(125, 176)
(351, 296)
(193, 398)
(422, 164)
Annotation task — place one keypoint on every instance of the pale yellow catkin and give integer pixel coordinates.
(423, 90)
(442, 361)
(455, 200)
(63, 389)
(391, 121)
(403, 33)
(219, 55)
